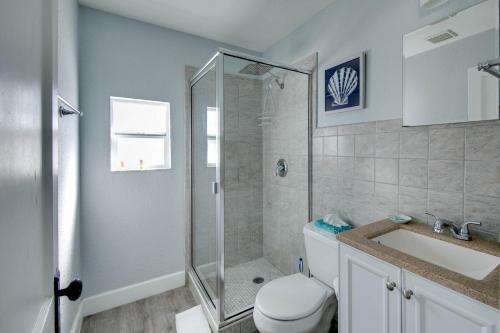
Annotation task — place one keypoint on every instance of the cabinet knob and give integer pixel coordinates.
(390, 285)
(407, 293)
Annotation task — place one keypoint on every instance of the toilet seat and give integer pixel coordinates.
(269, 325)
(291, 297)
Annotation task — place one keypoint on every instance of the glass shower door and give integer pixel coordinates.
(247, 115)
(266, 120)
(204, 164)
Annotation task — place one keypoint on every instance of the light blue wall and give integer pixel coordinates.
(348, 27)
(132, 222)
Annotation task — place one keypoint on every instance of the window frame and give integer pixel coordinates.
(167, 165)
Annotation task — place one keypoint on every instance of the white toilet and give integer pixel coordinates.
(296, 303)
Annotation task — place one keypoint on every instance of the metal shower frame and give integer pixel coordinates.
(216, 307)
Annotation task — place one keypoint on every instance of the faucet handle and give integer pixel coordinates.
(439, 223)
(464, 229)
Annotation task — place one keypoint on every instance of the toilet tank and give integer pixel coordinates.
(322, 250)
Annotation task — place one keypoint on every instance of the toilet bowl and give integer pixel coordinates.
(296, 303)
(293, 304)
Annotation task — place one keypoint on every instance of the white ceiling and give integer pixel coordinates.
(251, 24)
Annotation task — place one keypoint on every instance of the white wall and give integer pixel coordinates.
(68, 155)
(132, 222)
(348, 27)
(25, 208)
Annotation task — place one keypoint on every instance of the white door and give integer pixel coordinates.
(369, 294)
(26, 175)
(433, 308)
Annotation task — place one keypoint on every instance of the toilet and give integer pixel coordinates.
(296, 303)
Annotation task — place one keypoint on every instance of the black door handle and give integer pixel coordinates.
(73, 291)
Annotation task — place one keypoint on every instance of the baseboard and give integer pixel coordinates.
(44, 321)
(132, 293)
(77, 322)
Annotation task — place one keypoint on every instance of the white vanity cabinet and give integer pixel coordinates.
(366, 303)
(432, 308)
(415, 305)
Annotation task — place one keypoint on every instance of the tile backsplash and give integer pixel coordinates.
(370, 170)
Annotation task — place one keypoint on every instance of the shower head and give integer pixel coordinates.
(256, 69)
(261, 69)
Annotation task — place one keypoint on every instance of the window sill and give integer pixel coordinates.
(141, 170)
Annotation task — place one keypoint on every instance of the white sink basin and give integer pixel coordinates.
(471, 263)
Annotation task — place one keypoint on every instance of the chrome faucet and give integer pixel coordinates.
(461, 232)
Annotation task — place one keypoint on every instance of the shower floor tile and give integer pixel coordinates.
(239, 286)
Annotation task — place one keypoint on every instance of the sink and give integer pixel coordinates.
(462, 260)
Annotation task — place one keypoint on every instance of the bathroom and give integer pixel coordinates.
(213, 209)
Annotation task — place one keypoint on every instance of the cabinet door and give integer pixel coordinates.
(436, 309)
(366, 303)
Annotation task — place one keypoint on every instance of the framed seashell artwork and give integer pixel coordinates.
(345, 85)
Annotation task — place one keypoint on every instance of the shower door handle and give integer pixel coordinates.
(215, 187)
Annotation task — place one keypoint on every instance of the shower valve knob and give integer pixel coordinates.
(281, 168)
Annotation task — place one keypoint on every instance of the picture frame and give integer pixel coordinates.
(344, 84)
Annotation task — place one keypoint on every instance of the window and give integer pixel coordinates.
(212, 128)
(140, 134)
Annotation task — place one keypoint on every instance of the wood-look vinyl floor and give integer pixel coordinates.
(154, 314)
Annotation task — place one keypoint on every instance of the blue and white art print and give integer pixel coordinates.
(344, 85)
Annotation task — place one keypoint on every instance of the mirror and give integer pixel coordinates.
(451, 68)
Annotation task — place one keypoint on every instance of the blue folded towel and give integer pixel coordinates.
(330, 228)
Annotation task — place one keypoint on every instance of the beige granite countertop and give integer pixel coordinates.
(486, 291)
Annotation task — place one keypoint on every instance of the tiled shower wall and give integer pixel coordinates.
(243, 170)
(370, 170)
(285, 135)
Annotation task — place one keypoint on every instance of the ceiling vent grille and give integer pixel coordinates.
(442, 36)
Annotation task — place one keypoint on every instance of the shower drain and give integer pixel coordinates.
(258, 280)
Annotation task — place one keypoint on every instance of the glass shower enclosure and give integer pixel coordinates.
(250, 175)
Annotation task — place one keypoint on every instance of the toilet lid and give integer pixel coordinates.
(289, 298)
